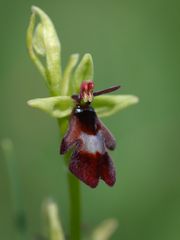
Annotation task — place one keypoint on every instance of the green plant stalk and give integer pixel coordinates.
(74, 192)
(15, 187)
(75, 207)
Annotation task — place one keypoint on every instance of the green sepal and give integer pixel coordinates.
(58, 107)
(84, 71)
(66, 86)
(107, 105)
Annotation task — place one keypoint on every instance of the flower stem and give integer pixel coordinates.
(75, 207)
(74, 192)
(19, 217)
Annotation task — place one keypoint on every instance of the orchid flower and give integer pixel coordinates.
(71, 93)
(43, 42)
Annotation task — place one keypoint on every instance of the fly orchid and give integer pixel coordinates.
(74, 99)
(90, 160)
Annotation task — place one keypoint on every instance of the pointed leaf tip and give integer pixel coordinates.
(105, 230)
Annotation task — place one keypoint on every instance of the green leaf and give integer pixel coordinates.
(58, 107)
(107, 105)
(84, 71)
(105, 230)
(15, 188)
(52, 221)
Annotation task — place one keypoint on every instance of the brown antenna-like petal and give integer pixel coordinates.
(107, 90)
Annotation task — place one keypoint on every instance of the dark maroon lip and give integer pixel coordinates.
(89, 164)
(89, 140)
(90, 168)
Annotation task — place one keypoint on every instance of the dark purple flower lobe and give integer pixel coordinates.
(89, 168)
(89, 138)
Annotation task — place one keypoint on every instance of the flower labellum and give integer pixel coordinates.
(90, 139)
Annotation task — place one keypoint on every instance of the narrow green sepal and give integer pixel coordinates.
(84, 71)
(66, 88)
(107, 105)
(58, 107)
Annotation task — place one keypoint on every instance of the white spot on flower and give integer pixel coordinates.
(93, 143)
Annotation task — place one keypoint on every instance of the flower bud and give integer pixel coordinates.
(42, 41)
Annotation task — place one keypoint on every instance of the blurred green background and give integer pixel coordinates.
(133, 43)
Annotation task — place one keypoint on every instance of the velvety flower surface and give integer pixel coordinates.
(90, 140)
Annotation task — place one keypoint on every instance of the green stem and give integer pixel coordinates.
(75, 207)
(74, 193)
(16, 191)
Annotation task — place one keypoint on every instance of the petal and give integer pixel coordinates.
(72, 135)
(109, 140)
(85, 167)
(57, 107)
(107, 171)
(107, 105)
